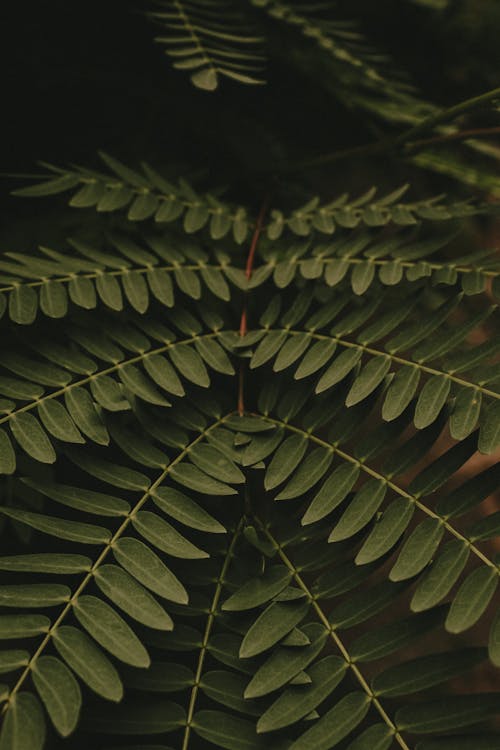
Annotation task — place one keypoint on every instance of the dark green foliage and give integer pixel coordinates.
(247, 455)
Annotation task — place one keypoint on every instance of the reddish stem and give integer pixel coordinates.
(248, 273)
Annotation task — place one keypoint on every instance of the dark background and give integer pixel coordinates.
(85, 76)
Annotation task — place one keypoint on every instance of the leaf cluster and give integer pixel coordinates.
(247, 460)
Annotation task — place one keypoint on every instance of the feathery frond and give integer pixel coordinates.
(210, 39)
(248, 496)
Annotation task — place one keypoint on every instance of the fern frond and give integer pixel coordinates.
(210, 39)
(134, 583)
(357, 74)
(249, 503)
(367, 258)
(435, 349)
(73, 388)
(144, 195)
(121, 272)
(366, 210)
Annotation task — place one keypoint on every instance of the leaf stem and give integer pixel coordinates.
(334, 636)
(405, 139)
(207, 633)
(392, 485)
(108, 547)
(244, 314)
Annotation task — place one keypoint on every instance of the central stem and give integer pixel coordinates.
(248, 273)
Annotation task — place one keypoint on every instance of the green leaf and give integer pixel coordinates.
(227, 731)
(376, 737)
(469, 494)
(439, 471)
(486, 528)
(360, 510)
(284, 664)
(363, 605)
(110, 630)
(142, 563)
(332, 493)
(417, 550)
(50, 187)
(46, 562)
(387, 531)
(317, 356)
(58, 422)
(296, 702)
(258, 591)
(83, 412)
(216, 282)
(14, 388)
(210, 460)
(82, 292)
(87, 501)
(471, 599)
(163, 374)
(183, 509)
(190, 364)
(462, 742)
(248, 424)
(387, 639)
(162, 677)
(143, 206)
(7, 455)
(431, 400)
(260, 447)
(214, 355)
(439, 579)
(138, 717)
(30, 435)
(310, 471)
(192, 477)
(24, 724)
(268, 347)
(54, 299)
(161, 286)
(368, 380)
(88, 661)
(465, 413)
(136, 290)
(271, 626)
(131, 597)
(23, 626)
(108, 394)
(141, 385)
(11, 660)
(336, 724)
(197, 214)
(23, 305)
(426, 671)
(494, 641)
(34, 595)
(227, 688)
(73, 531)
(109, 290)
(339, 369)
(453, 712)
(115, 474)
(47, 374)
(293, 349)
(285, 460)
(165, 537)
(59, 692)
(362, 276)
(489, 435)
(188, 282)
